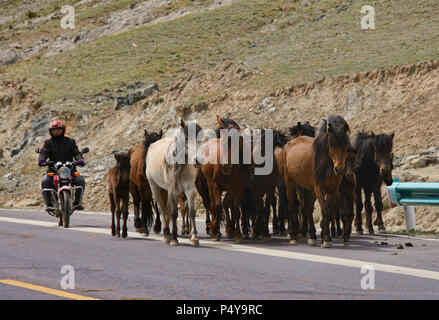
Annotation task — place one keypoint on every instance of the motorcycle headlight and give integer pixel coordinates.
(64, 173)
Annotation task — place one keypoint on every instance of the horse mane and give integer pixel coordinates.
(383, 143)
(363, 143)
(302, 130)
(337, 137)
(279, 138)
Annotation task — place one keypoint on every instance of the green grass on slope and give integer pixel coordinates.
(291, 43)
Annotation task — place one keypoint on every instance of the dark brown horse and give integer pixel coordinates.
(118, 182)
(139, 186)
(318, 165)
(374, 166)
(345, 201)
(217, 175)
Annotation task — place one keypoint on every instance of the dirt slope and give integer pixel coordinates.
(402, 99)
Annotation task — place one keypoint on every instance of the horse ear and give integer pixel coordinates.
(161, 133)
(182, 124)
(393, 135)
(229, 115)
(117, 156)
(218, 119)
(346, 127)
(145, 133)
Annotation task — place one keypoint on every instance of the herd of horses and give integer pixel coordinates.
(327, 165)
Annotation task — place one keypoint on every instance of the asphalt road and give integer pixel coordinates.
(33, 251)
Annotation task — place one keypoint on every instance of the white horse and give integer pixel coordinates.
(171, 169)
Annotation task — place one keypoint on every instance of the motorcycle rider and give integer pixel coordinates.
(60, 148)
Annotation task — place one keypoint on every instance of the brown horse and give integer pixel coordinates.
(304, 196)
(139, 186)
(215, 177)
(118, 182)
(317, 165)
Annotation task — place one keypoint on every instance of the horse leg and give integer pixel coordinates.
(326, 219)
(291, 196)
(174, 215)
(359, 209)
(182, 206)
(157, 223)
(236, 214)
(125, 213)
(283, 207)
(368, 208)
(113, 209)
(190, 195)
(216, 209)
(347, 214)
(309, 209)
(379, 209)
(161, 197)
(118, 212)
(271, 202)
(136, 203)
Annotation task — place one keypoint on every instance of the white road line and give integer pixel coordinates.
(383, 235)
(263, 251)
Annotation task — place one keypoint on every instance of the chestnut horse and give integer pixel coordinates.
(374, 166)
(215, 177)
(139, 186)
(317, 165)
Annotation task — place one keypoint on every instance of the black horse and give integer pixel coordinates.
(374, 165)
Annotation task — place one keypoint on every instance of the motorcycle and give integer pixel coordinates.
(62, 194)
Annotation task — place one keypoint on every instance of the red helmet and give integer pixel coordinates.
(57, 125)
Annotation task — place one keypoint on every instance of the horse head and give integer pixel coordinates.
(338, 142)
(123, 166)
(383, 156)
(190, 132)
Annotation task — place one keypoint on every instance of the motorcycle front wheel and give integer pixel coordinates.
(66, 206)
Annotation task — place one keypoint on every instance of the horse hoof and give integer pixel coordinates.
(268, 238)
(238, 238)
(166, 239)
(371, 232)
(245, 236)
(124, 235)
(382, 230)
(359, 232)
(312, 242)
(293, 242)
(346, 243)
(195, 242)
(174, 243)
(326, 244)
(144, 234)
(139, 230)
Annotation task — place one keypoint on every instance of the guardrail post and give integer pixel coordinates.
(410, 219)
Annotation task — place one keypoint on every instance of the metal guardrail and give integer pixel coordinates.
(410, 194)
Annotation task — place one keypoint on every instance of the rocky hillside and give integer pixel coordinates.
(253, 73)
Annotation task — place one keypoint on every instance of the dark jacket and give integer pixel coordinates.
(60, 148)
